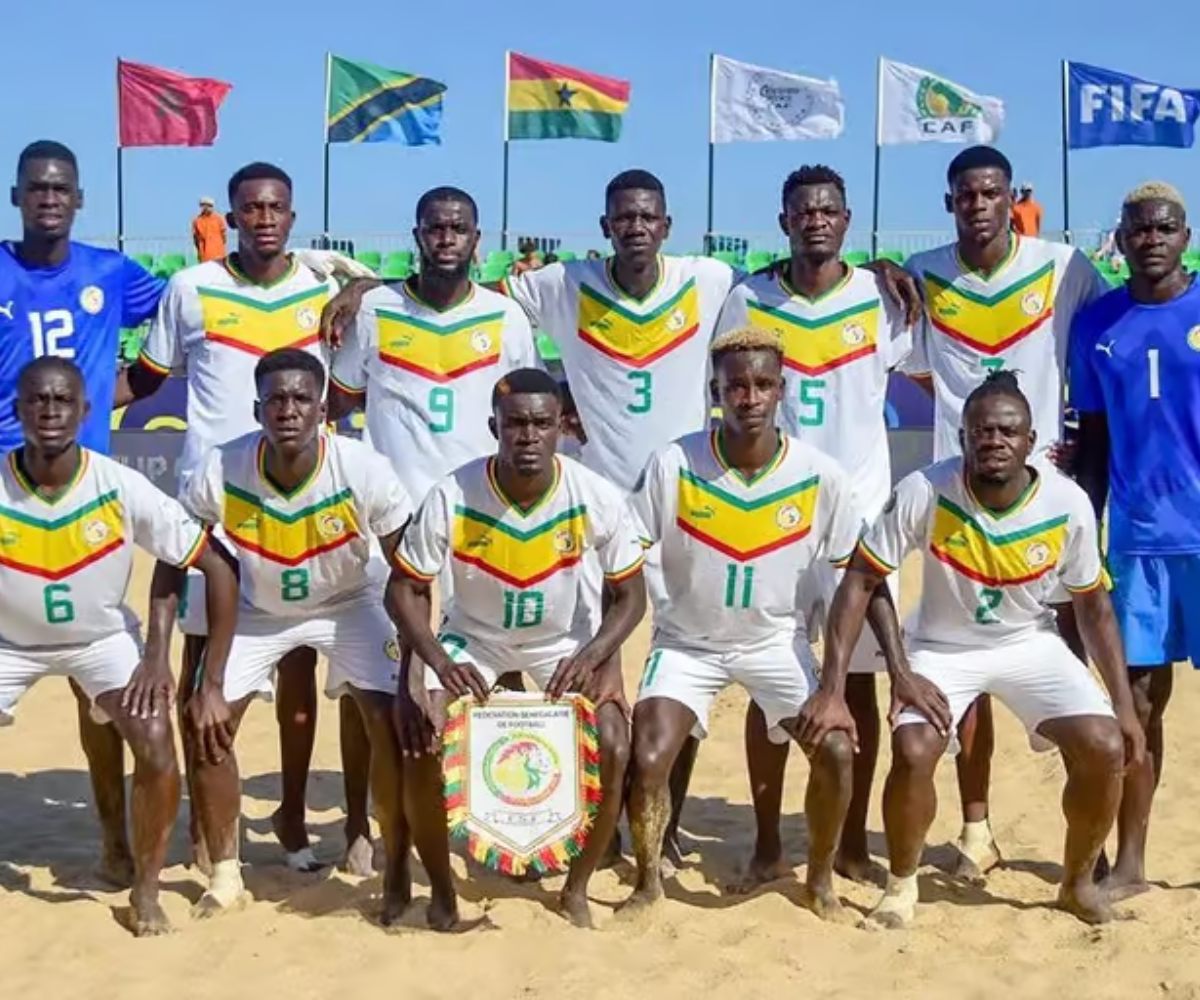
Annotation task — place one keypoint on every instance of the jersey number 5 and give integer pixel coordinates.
(49, 328)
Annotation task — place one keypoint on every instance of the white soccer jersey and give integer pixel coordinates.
(734, 552)
(306, 550)
(987, 577)
(1018, 317)
(214, 325)
(638, 368)
(65, 563)
(517, 572)
(838, 351)
(429, 374)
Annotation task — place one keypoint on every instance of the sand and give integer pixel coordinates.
(314, 935)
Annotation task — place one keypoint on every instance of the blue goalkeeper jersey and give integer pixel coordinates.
(75, 310)
(1139, 364)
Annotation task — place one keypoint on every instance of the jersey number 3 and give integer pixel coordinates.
(49, 329)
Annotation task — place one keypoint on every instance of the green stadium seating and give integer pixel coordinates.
(370, 258)
(856, 258)
(172, 262)
(145, 259)
(567, 255)
(895, 256)
(493, 271)
(397, 265)
(756, 260)
(547, 348)
(505, 257)
(728, 257)
(784, 255)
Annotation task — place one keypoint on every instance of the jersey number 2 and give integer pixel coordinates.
(49, 328)
(989, 600)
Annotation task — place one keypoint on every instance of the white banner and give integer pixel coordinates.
(756, 104)
(919, 106)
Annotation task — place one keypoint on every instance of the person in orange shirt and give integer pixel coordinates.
(208, 232)
(1027, 213)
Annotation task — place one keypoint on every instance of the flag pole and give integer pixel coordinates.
(504, 181)
(120, 171)
(325, 137)
(1066, 146)
(878, 148)
(712, 100)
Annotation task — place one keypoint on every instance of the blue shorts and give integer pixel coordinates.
(1157, 602)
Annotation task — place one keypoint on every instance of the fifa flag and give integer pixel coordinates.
(1107, 108)
(756, 104)
(919, 106)
(549, 101)
(159, 107)
(368, 103)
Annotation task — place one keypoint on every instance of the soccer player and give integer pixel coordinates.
(515, 529)
(66, 299)
(742, 512)
(299, 505)
(994, 300)
(427, 351)
(1135, 379)
(216, 321)
(70, 519)
(997, 535)
(841, 337)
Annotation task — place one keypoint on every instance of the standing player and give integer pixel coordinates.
(841, 337)
(514, 530)
(997, 536)
(743, 513)
(1135, 379)
(994, 300)
(427, 351)
(70, 519)
(69, 300)
(216, 321)
(299, 506)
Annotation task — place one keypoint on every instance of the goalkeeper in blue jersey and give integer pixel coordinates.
(1135, 379)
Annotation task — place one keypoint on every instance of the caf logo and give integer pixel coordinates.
(331, 525)
(564, 543)
(676, 321)
(306, 318)
(1193, 338)
(788, 517)
(853, 334)
(1037, 554)
(481, 342)
(91, 300)
(95, 532)
(1032, 303)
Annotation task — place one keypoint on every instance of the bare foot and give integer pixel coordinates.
(116, 867)
(758, 873)
(148, 918)
(443, 912)
(973, 868)
(360, 858)
(1120, 885)
(397, 894)
(824, 903)
(573, 904)
(1085, 900)
(855, 867)
(642, 900)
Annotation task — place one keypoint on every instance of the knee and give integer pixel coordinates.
(916, 748)
(1103, 748)
(653, 755)
(614, 741)
(836, 753)
(153, 745)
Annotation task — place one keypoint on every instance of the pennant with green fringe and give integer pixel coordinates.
(522, 779)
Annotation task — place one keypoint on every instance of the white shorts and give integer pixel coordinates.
(816, 597)
(359, 642)
(1037, 679)
(779, 677)
(492, 659)
(99, 667)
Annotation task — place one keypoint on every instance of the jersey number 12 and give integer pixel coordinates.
(49, 328)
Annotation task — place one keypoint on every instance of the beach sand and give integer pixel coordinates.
(315, 936)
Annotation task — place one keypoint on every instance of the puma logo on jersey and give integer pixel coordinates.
(1107, 348)
(958, 541)
(7, 310)
(703, 512)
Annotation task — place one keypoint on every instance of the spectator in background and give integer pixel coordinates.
(208, 232)
(550, 258)
(1027, 213)
(593, 255)
(529, 260)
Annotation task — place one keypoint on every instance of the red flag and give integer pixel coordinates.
(159, 107)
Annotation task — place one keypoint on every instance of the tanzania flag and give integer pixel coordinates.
(548, 101)
(371, 104)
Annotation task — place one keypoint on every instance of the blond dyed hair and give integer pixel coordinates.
(746, 338)
(1155, 191)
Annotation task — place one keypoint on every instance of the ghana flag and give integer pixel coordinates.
(548, 101)
(368, 103)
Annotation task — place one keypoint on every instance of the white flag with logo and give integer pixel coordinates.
(919, 106)
(755, 104)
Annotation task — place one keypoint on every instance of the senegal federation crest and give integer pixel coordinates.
(481, 342)
(788, 517)
(91, 300)
(1193, 338)
(330, 525)
(853, 334)
(306, 318)
(1037, 555)
(1032, 303)
(95, 532)
(522, 779)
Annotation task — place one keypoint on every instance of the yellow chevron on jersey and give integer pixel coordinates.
(633, 340)
(995, 560)
(439, 353)
(55, 549)
(814, 346)
(519, 558)
(289, 539)
(991, 323)
(257, 327)
(745, 529)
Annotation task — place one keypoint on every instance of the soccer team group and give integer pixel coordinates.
(752, 532)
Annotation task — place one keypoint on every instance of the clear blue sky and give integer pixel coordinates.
(60, 83)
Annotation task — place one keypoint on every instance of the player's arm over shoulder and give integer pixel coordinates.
(164, 351)
(901, 525)
(161, 525)
(714, 276)
(538, 292)
(385, 500)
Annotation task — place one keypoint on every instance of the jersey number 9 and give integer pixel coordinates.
(441, 409)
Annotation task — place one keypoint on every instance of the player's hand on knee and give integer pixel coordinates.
(462, 679)
(911, 691)
(212, 720)
(606, 686)
(825, 712)
(414, 729)
(1134, 737)
(573, 673)
(150, 691)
